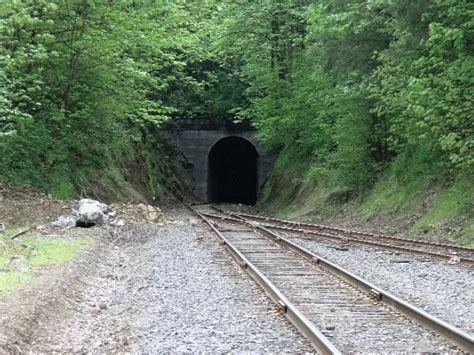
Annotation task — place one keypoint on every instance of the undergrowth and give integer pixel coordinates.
(20, 258)
(147, 168)
(411, 192)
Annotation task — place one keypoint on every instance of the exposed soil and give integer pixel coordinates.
(26, 206)
(51, 291)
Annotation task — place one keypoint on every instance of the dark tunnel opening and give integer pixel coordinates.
(232, 171)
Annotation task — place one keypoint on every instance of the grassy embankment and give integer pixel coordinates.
(409, 194)
(20, 258)
(145, 171)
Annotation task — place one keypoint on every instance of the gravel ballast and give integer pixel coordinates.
(441, 289)
(167, 288)
(195, 300)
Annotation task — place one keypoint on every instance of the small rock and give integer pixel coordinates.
(454, 260)
(64, 222)
(19, 264)
(119, 223)
(153, 216)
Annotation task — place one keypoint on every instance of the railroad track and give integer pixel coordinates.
(452, 253)
(336, 310)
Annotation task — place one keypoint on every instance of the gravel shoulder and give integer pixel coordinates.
(164, 288)
(443, 290)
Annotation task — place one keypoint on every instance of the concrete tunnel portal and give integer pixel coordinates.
(233, 171)
(226, 161)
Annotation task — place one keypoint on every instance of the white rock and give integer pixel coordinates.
(118, 223)
(153, 216)
(91, 211)
(65, 222)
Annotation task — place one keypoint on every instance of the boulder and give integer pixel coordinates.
(92, 212)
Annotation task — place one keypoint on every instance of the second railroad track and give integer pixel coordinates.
(452, 253)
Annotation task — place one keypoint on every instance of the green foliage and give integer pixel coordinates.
(364, 100)
(80, 78)
(32, 252)
(423, 87)
(402, 187)
(356, 86)
(352, 163)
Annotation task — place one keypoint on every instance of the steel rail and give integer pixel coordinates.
(377, 244)
(373, 244)
(348, 231)
(303, 324)
(461, 338)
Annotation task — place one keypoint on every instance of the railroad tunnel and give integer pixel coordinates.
(232, 171)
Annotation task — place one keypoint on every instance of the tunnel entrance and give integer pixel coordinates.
(232, 171)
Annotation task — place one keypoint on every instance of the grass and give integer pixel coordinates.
(451, 205)
(390, 197)
(406, 192)
(287, 186)
(455, 203)
(467, 237)
(298, 189)
(31, 252)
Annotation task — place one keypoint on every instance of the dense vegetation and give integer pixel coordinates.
(83, 83)
(364, 99)
(355, 96)
(355, 85)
